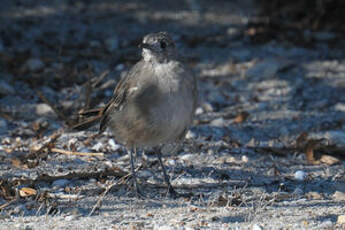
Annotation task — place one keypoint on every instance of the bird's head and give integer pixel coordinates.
(158, 47)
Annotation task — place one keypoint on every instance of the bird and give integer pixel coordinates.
(154, 104)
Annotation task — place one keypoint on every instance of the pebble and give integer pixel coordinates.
(244, 159)
(97, 147)
(257, 227)
(43, 109)
(6, 89)
(113, 145)
(300, 175)
(207, 107)
(120, 67)
(60, 183)
(219, 122)
(190, 135)
(34, 64)
(109, 164)
(171, 162)
(71, 217)
(199, 111)
(233, 32)
(163, 227)
(187, 157)
(188, 228)
(341, 219)
(92, 180)
(339, 196)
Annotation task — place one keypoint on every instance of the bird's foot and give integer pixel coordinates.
(172, 193)
(138, 192)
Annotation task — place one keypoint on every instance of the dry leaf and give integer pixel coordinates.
(193, 209)
(24, 192)
(329, 160)
(314, 196)
(17, 163)
(241, 117)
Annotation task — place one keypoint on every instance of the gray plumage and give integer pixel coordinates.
(155, 103)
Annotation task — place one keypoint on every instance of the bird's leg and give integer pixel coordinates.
(171, 190)
(134, 176)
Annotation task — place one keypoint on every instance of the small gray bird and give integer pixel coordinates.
(154, 103)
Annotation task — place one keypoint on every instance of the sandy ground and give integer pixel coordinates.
(243, 163)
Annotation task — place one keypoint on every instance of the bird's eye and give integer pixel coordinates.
(163, 45)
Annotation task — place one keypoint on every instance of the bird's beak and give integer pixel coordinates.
(144, 46)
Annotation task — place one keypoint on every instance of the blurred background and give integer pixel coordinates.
(58, 57)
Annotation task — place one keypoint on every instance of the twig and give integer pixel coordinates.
(100, 199)
(117, 172)
(100, 78)
(76, 153)
(199, 186)
(8, 204)
(88, 92)
(58, 112)
(65, 196)
(51, 140)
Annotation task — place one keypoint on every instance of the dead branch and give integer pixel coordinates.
(62, 151)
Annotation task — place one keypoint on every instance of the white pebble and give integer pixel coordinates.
(171, 162)
(43, 109)
(198, 111)
(300, 175)
(187, 157)
(163, 227)
(109, 164)
(70, 218)
(97, 147)
(188, 228)
(244, 159)
(92, 180)
(113, 145)
(219, 122)
(257, 227)
(72, 142)
(207, 107)
(190, 135)
(120, 67)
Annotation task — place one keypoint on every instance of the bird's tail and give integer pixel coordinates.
(87, 119)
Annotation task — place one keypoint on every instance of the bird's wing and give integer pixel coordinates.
(120, 95)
